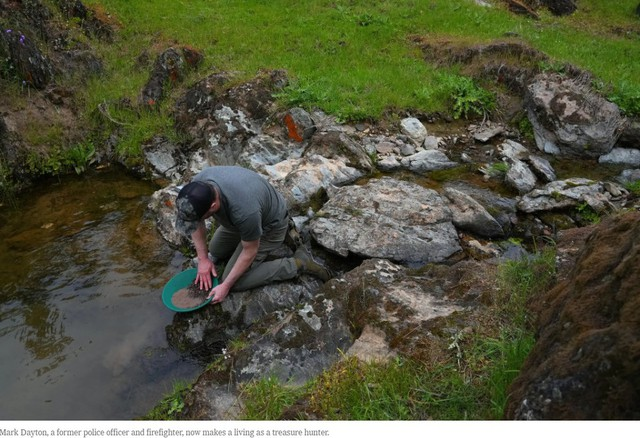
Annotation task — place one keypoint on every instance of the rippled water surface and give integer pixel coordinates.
(82, 325)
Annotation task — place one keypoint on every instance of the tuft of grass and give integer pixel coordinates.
(627, 97)
(171, 405)
(518, 280)
(633, 187)
(355, 390)
(266, 399)
(506, 355)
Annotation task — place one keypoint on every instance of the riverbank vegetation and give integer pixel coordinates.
(354, 59)
(471, 384)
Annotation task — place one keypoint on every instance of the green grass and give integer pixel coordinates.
(353, 58)
(518, 279)
(266, 399)
(633, 187)
(171, 405)
(472, 384)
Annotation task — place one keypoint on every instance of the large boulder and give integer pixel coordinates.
(570, 193)
(571, 119)
(302, 180)
(387, 218)
(586, 361)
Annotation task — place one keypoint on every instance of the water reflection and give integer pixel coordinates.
(81, 320)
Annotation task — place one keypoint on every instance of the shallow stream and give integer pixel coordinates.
(82, 324)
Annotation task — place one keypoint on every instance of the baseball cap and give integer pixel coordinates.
(192, 203)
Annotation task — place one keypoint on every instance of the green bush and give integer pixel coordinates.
(469, 99)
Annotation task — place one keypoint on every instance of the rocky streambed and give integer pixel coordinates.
(414, 222)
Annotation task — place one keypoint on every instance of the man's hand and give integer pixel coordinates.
(243, 262)
(206, 269)
(219, 293)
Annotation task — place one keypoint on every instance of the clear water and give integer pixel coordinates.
(82, 325)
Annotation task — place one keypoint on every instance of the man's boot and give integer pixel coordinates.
(307, 265)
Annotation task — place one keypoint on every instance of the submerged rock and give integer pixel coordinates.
(427, 160)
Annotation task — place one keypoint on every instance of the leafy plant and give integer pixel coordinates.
(58, 161)
(469, 99)
(633, 187)
(587, 213)
(81, 156)
(171, 405)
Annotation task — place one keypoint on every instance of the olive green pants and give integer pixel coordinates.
(226, 244)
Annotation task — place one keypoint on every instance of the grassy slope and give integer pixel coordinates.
(353, 58)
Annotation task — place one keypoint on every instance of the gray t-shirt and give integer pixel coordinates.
(248, 203)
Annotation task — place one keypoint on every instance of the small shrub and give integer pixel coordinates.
(171, 405)
(469, 99)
